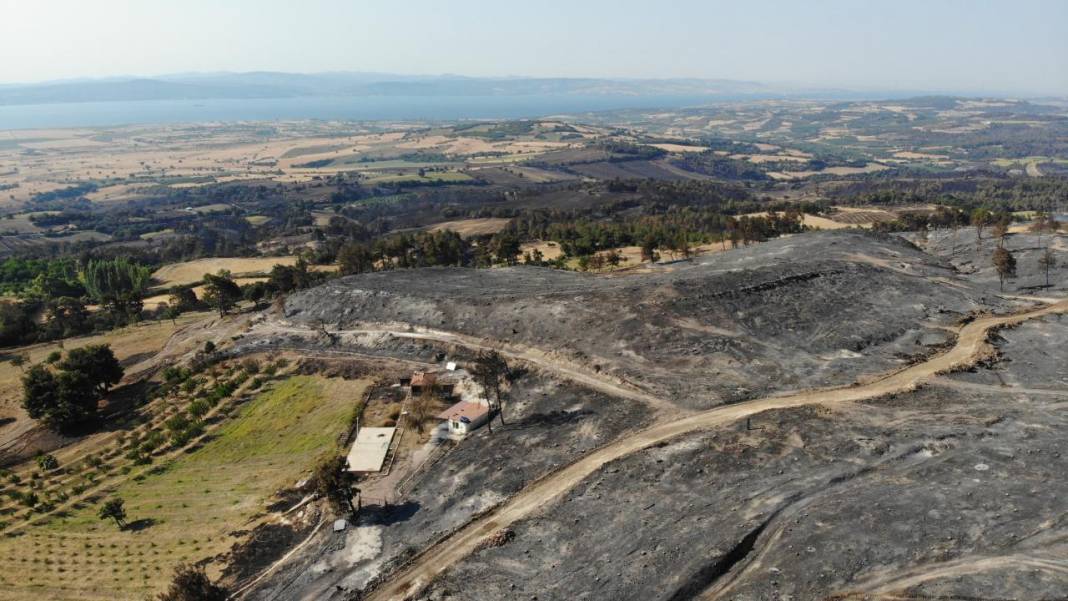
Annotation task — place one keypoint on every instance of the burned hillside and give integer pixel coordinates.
(821, 309)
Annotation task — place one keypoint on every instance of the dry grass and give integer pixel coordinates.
(131, 345)
(471, 227)
(153, 302)
(679, 148)
(190, 272)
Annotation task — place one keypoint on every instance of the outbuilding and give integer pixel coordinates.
(422, 380)
(369, 451)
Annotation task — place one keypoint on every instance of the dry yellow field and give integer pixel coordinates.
(679, 148)
(471, 227)
(550, 251)
(815, 221)
(869, 168)
(131, 345)
(154, 301)
(190, 272)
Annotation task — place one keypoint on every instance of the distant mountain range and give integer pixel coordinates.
(204, 86)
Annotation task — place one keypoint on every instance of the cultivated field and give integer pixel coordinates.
(184, 507)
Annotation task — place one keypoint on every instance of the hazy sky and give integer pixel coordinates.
(1018, 46)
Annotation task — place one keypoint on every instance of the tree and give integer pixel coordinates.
(97, 363)
(171, 312)
(1005, 263)
(19, 360)
(489, 371)
(66, 316)
(114, 509)
(191, 583)
(69, 395)
(1047, 261)
(422, 407)
(355, 257)
(335, 482)
(505, 246)
(255, 292)
(221, 292)
(17, 324)
(1000, 231)
(184, 298)
(60, 400)
(117, 284)
(980, 219)
(286, 278)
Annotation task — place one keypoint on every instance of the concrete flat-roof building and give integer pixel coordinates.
(369, 451)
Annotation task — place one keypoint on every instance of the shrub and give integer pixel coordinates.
(175, 374)
(47, 462)
(153, 440)
(199, 408)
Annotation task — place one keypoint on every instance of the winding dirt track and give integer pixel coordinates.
(971, 346)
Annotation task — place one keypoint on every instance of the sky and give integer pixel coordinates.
(1016, 47)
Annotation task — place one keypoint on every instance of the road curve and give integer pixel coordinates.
(970, 347)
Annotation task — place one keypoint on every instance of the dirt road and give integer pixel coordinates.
(559, 366)
(971, 346)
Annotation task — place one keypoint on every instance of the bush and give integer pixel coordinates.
(173, 375)
(192, 584)
(153, 441)
(199, 408)
(47, 462)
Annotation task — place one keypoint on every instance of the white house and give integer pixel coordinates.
(465, 417)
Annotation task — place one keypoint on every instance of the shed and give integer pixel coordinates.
(369, 451)
(464, 417)
(422, 380)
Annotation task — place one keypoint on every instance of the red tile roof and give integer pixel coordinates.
(422, 378)
(464, 409)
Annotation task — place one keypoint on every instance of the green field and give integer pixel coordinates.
(186, 505)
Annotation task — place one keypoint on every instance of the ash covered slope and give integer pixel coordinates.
(817, 309)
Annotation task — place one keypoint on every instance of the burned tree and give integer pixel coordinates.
(1047, 261)
(1005, 263)
(490, 370)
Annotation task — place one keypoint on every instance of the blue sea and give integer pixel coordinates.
(363, 108)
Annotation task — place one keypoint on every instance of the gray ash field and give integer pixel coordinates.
(796, 313)
(954, 490)
(549, 424)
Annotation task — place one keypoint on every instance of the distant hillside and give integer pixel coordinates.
(288, 85)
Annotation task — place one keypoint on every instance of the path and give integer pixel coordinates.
(970, 347)
(567, 369)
